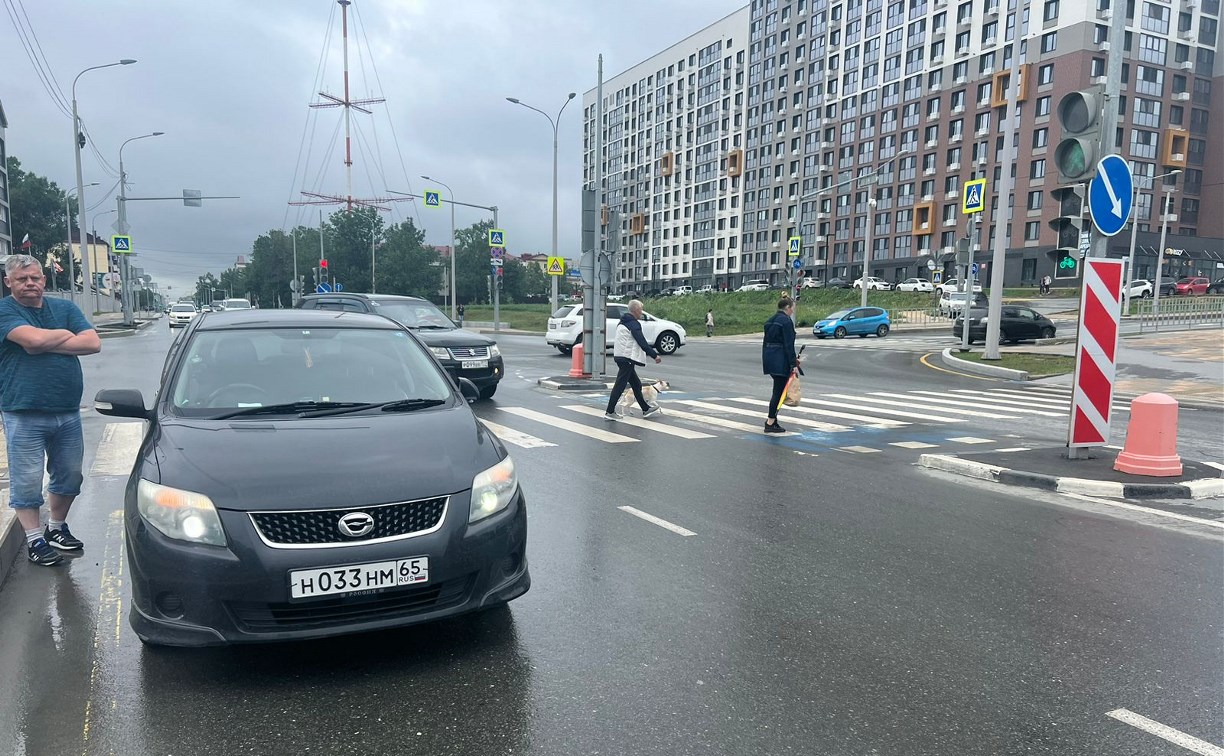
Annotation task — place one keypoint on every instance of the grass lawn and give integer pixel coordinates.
(521, 317)
(1033, 364)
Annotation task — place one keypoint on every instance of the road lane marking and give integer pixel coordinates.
(1012, 449)
(1176, 737)
(972, 440)
(117, 450)
(110, 595)
(657, 521)
(908, 404)
(720, 422)
(518, 438)
(1060, 403)
(1216, 465)
(874, 422)
(1219, 524)
(814, 424)
(858, 449)
(653, 425)
(923, 360)
(884, 411)
(582, 430)
(914, 445)
(977, 399)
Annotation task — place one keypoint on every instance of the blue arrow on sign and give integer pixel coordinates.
(1110, 195)
(323, 288)
(339, 286)
(974, 269)
(798, 264)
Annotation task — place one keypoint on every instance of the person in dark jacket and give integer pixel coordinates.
(630, 351)
(778, 358)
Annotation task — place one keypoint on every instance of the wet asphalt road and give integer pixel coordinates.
(827, 603)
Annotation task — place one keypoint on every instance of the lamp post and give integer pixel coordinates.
(68, 222)
(554, 122)
(1164, 226)
(125, 267)
(1130, 265)
(453, 251)
(93, 230)
(78, 141)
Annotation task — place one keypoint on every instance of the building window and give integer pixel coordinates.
(1040, 138)
(1034, 200)
(1045, 74)
(1028, 270)
(1032, 230)
(1049, 42)
(1051, 11)
(1043, 106)
(1037, 169)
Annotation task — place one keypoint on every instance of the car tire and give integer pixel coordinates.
(563, 349)
(488, 391)
(839, 332)
(1146, 295)
(667, 343)
(1047, 333)
(882, 331)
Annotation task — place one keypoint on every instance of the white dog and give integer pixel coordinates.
(650, 392)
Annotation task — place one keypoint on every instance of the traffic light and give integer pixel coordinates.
(323, 263)
(1080, 146)
(1069, 225)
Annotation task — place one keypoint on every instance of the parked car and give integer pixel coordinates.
(1017, 324)
(858, 321)
(757, 285)
(1191, 285)
(952, 302)
(874, 284)
(811, 283)
(421, 517)
(1141, 288)
(682, 290)
(463, 354)
(837, 283)
(916, 284)
(953, 284)
(707, 289)
(180, 314)
(1216, 287)
(565, 329)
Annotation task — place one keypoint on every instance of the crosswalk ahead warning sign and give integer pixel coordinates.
(975, 196)
(556, 266)
(121, 245)
(793, 246)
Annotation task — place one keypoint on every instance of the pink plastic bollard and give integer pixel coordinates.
(1151, 438)
(576, 365)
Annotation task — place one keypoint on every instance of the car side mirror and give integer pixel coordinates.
(468, 389)
(121, 403)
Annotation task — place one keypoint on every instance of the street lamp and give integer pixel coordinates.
(78, 141)
(68, 222)
(1164, 227)
(121, 206)
(453, 251)
(1130, 266)
(554, 123)
(94, 231)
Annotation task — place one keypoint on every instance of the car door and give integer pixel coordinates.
(853, 321)
(615, 313)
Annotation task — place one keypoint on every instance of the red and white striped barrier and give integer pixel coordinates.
(1096, 353)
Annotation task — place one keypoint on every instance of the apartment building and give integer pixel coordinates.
(913, 93)
(6, 217)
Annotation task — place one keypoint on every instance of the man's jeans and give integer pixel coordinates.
(35, 438)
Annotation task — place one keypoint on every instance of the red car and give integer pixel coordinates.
(1191, 285)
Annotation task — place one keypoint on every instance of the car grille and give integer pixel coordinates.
(331, 612)
(320, 527)
(470, 353)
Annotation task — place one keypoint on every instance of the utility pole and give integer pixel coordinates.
(1130, 266)
(1164, 227)
(497, 278)
(593, 305)
(871, 205)
(1113, 92)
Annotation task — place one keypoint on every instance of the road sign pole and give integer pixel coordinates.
(871, 204)
(1109, 118)
(496, 288)
(1160, 250)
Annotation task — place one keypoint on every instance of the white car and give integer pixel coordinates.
(953, 284)
(916, 284)
(1141, 288)
(180, 315)
(874, 284)
(952, 302)
(757, 285)
(707, 289)
(680, 291)
(811, 283)
(565, 329)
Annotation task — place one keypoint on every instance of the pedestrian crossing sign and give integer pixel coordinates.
(433, 198)
(121, 245)
(974, 200)
(794, 246)
(497, 237)
(556, 266)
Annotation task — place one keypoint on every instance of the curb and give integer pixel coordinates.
(575, 384)
(121, 332)
(1203, 488)
(977, 368)
(11, 537)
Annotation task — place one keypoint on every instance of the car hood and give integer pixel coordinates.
(275, 464)
(454, 337)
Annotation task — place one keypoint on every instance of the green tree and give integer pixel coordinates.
(405, 265)
(233, 280)
(348, 236)
(206, 285)
(472, 262)
(514, 279)
(37, 207)
(535, 282)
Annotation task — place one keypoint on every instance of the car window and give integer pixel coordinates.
(234, 369)
(563, 311)
(1011, 312)
(413, 313)
(616, 312)
(341, 305)
(874, 313)
(236, 304)
(182, 308)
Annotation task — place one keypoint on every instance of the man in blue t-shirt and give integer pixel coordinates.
(40, 398)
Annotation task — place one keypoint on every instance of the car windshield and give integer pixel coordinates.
(183, 308)
(838, 315)
(229, 370)
(413, 313)
(1186, 280)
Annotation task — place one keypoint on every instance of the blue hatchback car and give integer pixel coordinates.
(859, 321)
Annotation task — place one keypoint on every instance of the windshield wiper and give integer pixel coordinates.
(289, 408)
(434, 325)
(399, 405)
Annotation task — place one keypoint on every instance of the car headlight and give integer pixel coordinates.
(492, 490)
(494, 351)
(441, 353)
(181, 515)
(984, 320)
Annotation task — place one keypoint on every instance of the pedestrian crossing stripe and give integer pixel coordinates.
(652, 425)
(813, 424)
(511, 436)
(582, 430)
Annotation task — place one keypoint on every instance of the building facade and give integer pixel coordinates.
(6, 217)
(913, 93)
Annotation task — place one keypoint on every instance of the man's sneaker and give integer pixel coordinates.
(654, 410)
(611, 416)
(42, 554)
(62, 539)
(774, 428)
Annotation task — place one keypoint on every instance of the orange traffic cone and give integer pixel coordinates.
(1151, 438)
(576, 365)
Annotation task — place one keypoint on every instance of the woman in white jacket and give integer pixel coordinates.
(631, 350)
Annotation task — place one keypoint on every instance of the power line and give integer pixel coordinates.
(47, 80)
(311, 123)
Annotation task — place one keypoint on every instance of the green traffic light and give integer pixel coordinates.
(1072, 158)
(1067, 263)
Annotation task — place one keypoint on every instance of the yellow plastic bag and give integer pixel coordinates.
(793, 393)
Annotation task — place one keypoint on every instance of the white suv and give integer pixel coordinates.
(680, 291)
(757, 285)
(874, 284)
(565, 329)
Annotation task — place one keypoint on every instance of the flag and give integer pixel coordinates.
(26, 243)
(58, 268)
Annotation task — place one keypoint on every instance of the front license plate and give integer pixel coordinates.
(475, 364)
(355, 578)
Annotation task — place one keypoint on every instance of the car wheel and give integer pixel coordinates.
(667, 343)
(488, 391)
(839, 332)
(1146, 295)
(882, 331)
(1047, 333)
(564, 349)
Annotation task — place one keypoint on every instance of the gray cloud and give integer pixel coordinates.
(229, 82)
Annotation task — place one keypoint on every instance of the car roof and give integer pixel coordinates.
(236, 319)
(363, 295)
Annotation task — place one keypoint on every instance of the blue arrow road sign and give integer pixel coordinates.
(339, 286)
(974, 269)
(797, 264)
(1110, 195)
(323, 288)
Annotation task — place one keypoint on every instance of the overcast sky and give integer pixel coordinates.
(230, 83)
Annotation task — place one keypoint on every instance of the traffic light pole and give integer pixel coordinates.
(1113, 92)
